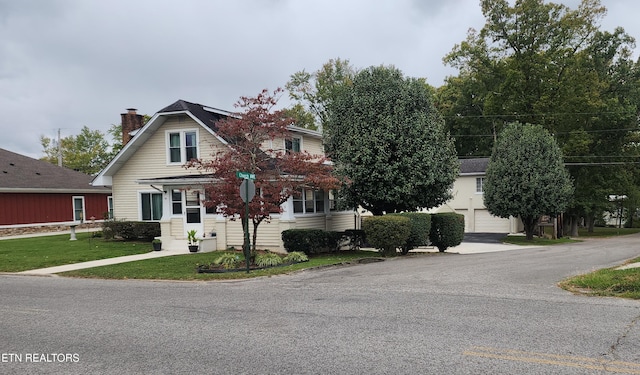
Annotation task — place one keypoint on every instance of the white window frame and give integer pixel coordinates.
(140, 213)
(73, 205)
(314, 202)
(183, 145)
(299, 138)
(479, 185)
(110, 207)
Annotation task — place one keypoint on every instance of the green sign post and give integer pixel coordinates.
(247, 191)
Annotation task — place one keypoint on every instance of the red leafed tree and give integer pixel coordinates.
(279, 174)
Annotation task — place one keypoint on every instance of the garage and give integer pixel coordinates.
(487, 223)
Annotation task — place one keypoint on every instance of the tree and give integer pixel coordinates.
(548, 64)
(387, 139)
(313, 91)
(526, 177)
(279, 174)
(88, 152)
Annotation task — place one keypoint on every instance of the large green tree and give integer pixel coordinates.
(526, 177)
(87, 152)
(548, 64)
(386, 137)
(312, 92)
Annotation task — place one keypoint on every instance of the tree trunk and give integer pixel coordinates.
(574, 226)
(529, 226)
(590, 223)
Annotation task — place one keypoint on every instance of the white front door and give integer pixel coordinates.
(193, 211)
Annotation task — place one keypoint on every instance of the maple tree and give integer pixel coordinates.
(279, 174)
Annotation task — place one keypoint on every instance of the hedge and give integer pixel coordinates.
(311, 241)
(130, 230)
(419, 228)
(386, 233)
(447, 230)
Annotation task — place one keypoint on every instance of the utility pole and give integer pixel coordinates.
(59, 150)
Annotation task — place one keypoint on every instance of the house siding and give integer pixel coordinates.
(151, 162)
(34, 208)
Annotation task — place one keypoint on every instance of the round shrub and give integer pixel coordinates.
(386, 233)
(447, 230)
(268, 260)
(419, 228)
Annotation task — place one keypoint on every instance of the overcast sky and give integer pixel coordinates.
(65, 64)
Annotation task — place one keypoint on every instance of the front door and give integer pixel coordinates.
(193, 213)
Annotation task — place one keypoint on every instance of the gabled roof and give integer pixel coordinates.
(475, 166)
(207, 115)
(204, 115)
(22, 174)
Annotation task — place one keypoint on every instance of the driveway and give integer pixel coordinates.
(490, 313)
(484, 237)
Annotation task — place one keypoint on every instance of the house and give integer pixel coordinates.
(35, 193)
(149, 182)
(468, 200)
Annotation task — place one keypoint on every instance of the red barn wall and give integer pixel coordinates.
(34, 208)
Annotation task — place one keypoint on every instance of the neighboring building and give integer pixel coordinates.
(149, 181)
(468, 200)
(38, 193)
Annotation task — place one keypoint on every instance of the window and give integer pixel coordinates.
(78, 208)
(176, 202)
(292, 145)
(183, 146)
(479, 184)
(109, 207)
(151, 206)
(309, 201)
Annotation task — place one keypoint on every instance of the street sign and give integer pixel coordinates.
(246, 175)
(247, 190)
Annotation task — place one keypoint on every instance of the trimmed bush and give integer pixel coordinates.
(386, 233)
(419, 228)
(131, 230)
(310, 241)
(447, 230)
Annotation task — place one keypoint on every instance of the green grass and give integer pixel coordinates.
(183, 267)
(40, 252)
(522, 240)
(607, 282)
(607, 232)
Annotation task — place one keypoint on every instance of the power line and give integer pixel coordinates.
(541, 114)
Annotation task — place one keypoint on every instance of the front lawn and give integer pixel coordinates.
(607, 282)
(522, 240)
(607, 232)
(40, 252)
(183, 267)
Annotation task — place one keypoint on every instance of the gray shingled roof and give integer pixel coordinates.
(22, 173)
(473, 166)
(209, 118)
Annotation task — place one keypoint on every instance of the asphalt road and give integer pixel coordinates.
(492, 313)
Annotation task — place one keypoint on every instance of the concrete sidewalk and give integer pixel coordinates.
(463, 248)
(101, 262)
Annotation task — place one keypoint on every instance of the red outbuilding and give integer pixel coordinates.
(37, 193)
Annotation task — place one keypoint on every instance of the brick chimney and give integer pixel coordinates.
(131, 121)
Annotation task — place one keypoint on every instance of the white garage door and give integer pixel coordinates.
(487, 223)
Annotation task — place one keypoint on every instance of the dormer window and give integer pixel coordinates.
(182, 146)
(292, 145)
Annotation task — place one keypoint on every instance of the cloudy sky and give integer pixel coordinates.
(65, 64)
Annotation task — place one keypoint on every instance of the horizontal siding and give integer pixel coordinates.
(341, 221)
(268, 234)
(32, 208)
(150, 161)
(311, 222)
